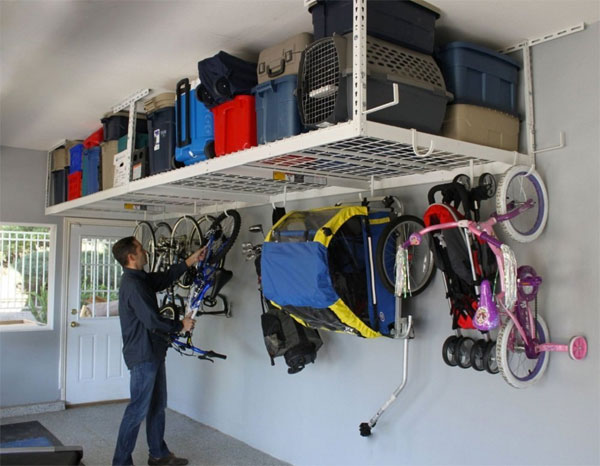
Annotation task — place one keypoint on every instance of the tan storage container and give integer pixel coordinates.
(282, 59)
(167, 99)
(61, 156)
(481, 125)
(109, 150)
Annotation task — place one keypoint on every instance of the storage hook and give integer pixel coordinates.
(414, 145)
(560, 145)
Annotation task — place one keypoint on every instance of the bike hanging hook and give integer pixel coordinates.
(414, 145)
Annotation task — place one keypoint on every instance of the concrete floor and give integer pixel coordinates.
(95, 429)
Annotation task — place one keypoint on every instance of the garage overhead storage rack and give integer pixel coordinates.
(357, 156)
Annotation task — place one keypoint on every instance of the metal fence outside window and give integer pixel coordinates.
(24, 259)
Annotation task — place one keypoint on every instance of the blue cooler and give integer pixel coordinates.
(194, 127)
(277, 115)
(91, 163)
(479, 76)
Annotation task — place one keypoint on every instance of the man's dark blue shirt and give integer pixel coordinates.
(142, 327)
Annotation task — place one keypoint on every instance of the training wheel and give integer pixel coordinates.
(365, 429)
(578, 348)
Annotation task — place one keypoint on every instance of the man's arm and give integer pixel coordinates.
(161, 280)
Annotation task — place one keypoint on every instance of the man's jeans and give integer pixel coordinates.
(148, 387)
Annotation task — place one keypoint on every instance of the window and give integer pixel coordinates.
(100, 278)
(26, 275)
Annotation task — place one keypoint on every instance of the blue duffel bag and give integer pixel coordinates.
(224, 76)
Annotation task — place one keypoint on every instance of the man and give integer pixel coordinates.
(144, 349)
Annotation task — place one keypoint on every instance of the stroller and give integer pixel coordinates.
(465, 262)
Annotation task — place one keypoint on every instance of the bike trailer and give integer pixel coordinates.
(316, 266)
(224, 76)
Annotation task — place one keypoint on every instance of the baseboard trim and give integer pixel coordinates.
(24, 410)
(96, 403)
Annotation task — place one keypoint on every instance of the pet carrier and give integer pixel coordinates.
(224, 76)
(325, 84)
(317, 266)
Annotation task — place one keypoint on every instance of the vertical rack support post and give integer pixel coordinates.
(359, 65)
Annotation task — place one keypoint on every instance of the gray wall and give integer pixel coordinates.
(29, 361)
(445, 415)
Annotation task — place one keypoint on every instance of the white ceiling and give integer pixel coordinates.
(64, 63)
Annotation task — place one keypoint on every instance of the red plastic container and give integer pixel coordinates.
(74, 182)
(235, 125)
(94, 139)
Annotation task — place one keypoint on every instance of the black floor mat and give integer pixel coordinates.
(26, 434)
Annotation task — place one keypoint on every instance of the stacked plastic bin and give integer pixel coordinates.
(400, 41)
(485, 86)
(59, 172)
(74, 177)
(160, 114)
(226, 84)
(276, 105)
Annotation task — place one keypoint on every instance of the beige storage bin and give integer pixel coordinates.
(61, 156)
(282, 59)
(166, 99)
(108, 152)
(481, 125)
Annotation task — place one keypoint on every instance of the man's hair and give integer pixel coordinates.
(122, 248)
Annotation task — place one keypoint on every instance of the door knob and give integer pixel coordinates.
(74, 324)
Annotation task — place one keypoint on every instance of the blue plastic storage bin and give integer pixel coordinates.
(194, 127)
(161, 147)
(91, 163)
(405, 22)
(75, 155)
(479, 76)
(277, 114)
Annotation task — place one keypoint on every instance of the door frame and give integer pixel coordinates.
(68, 222)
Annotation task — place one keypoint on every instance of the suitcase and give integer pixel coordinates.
(224, 76)
(194, 126)
(282, 59)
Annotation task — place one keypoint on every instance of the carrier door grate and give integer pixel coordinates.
(321, 78)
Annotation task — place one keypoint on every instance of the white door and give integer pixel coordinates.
(95, 369)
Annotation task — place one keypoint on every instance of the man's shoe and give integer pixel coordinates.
(171, 459)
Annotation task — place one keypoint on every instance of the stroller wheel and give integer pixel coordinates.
(489, 358)
(477, 355)
(449, 351)
(464, 180)
(488, 181)
(463, 352)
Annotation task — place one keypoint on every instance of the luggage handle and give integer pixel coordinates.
(183, 87)
(273, 74)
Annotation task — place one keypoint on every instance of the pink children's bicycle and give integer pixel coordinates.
(523, 340)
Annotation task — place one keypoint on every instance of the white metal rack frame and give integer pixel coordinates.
(351, 157)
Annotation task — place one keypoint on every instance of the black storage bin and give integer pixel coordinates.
(139, 163)
(224, 76)
(161, 142)
(58, 186)
(115, 125)
(409, 23)
(325, 85)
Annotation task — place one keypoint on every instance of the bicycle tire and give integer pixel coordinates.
(395, 233)
(516, 186)
(506, 354)
(144, 233)
(184, 243)
(490, 364)
(225, 230)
